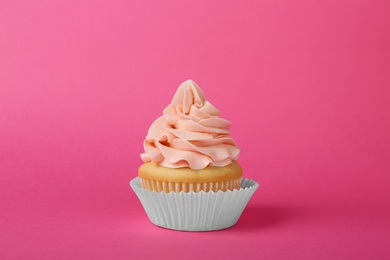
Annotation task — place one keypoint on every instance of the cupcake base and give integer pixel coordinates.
(195, 211)
(159, 178)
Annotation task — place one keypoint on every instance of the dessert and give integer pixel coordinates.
(190, 179)
(189, 147)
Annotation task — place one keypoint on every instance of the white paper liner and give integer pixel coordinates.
(200, 211)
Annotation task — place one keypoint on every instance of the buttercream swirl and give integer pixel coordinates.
(190, 133)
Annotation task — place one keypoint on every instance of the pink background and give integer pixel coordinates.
(305, 83)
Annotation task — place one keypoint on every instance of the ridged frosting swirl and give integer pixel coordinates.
(190, 133)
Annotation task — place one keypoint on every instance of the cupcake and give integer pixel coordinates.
(189, 147)
(190, 178)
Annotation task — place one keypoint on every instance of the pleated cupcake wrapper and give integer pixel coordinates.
(197, 187)
(195, 211)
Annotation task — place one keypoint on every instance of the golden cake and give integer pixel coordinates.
(159, 178)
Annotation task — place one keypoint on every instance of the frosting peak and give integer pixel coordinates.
(187, 95)
(190, 133)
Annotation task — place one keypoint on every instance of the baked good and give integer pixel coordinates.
(189, 148)
(190, 179)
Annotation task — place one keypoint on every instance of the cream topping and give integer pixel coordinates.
(190, 133)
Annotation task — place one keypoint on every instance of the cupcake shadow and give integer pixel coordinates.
(264, 217)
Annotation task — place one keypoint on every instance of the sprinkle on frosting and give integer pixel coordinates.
(190, 133)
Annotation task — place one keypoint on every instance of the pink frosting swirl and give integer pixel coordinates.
(190, 133)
